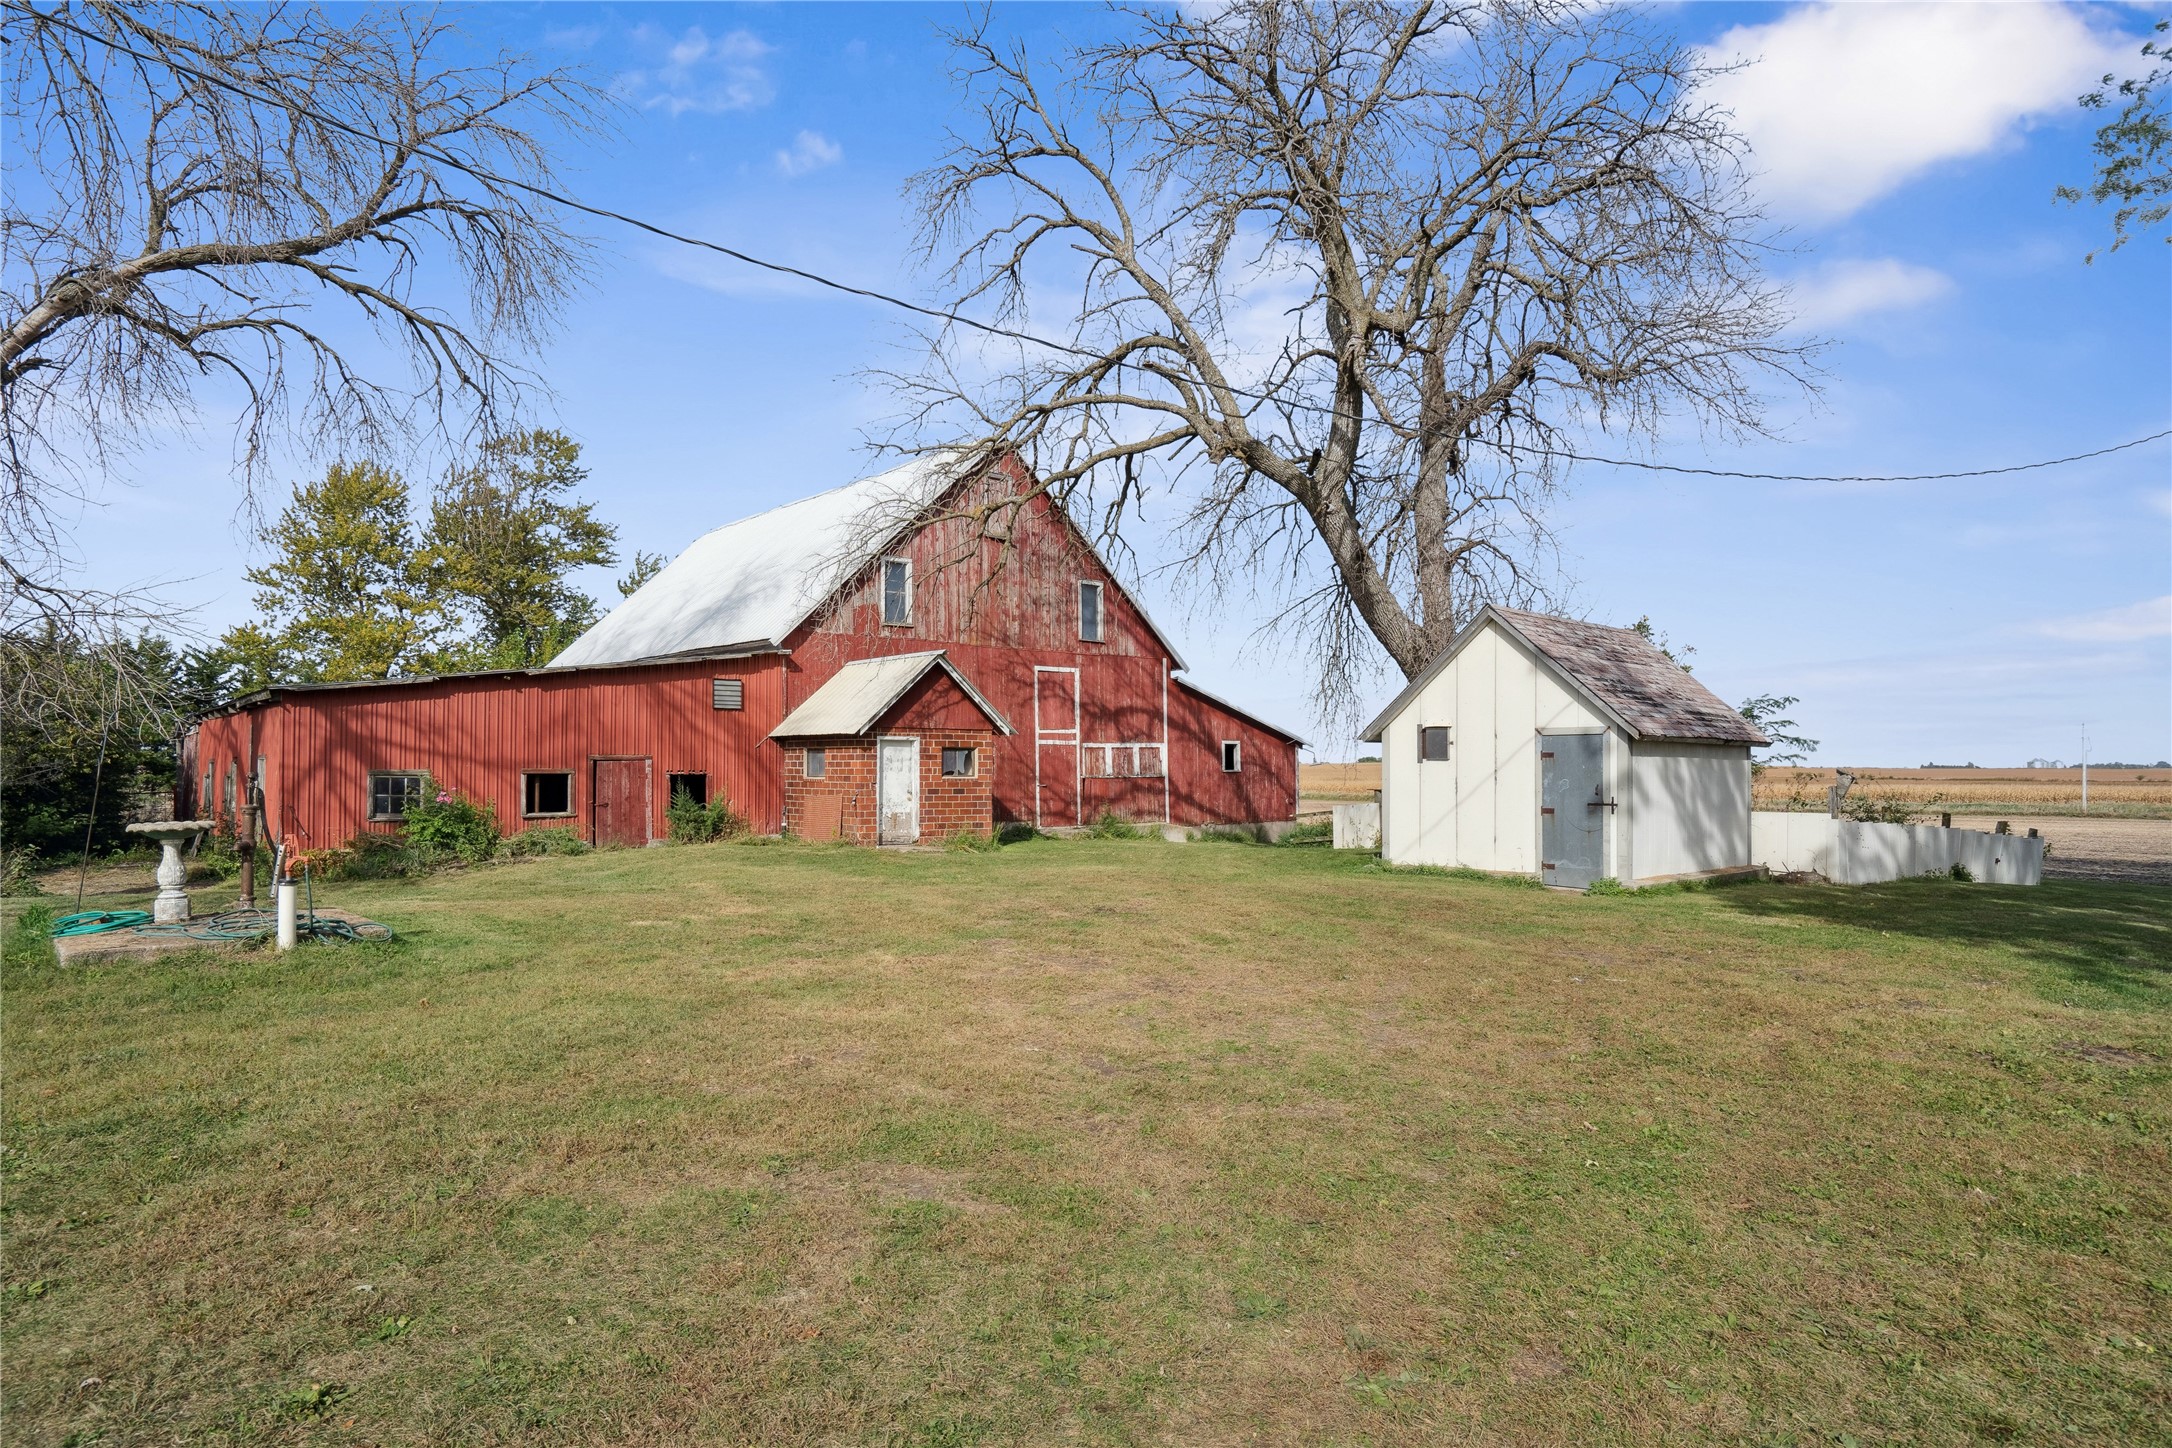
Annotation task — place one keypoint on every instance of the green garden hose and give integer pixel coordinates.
(91, 922)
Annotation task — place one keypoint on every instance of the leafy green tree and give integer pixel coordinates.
(504, 532)
(349, 592)
(1767, 714)
(91, 743)
(645, 567)
(2134, 148)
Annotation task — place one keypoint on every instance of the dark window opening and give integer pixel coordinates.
(961, 763)
(1232, 756)
(1433, 743)
(897, 591)
(693, 786)
(390, 794)
(817, 763)
(728, 694)
(548, 793)
(1089, 612)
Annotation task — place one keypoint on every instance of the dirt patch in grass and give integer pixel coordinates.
(909, 1150)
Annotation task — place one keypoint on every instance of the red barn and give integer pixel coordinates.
(924, 651)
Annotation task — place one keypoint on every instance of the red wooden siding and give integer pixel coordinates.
(999, 608)
(479, 735)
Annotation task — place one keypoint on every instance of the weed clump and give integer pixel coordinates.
(1606, 885)
(1113, 826)
(690, 822)
(1016, 832)
(549, 840)
(973, 842)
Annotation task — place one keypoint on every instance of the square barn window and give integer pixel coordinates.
(1148, 761)
(897, 590)
(728, 694)
(391, 794)
(817, 763)
(1433, 743)
(546, 793)
(1089, 612)
(693, 786)
(1232, 756)
(961, 763)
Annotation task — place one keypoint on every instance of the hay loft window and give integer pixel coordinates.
(694, 786)
(390, 794)
(961, 763)
(818, 764)
(728, 694)
(1089, 612)
(546, 794)
(1232, 756)
(897, 591)
(1433, 743)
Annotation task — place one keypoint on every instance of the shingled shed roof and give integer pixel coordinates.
(1617, 669)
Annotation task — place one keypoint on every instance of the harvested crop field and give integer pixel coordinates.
(2115, 793)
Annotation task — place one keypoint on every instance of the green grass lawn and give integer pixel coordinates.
(1101, 1141)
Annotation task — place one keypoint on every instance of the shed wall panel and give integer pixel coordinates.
(1690, 807)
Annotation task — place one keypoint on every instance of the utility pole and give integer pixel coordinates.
(2085, 769)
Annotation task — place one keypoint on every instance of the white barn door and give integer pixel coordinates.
(897, 791)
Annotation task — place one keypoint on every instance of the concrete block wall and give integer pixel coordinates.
(947, 806)
(848, 777)
(950, 805)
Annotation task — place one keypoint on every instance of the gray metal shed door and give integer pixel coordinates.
(1572, 808)
(897, 790)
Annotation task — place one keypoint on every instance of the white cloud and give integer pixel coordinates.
(1841, 291)
(698, 73)
(809, 151)
(2131, 623)
(1843, 103)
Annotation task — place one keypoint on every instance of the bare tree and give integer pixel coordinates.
(196, 189)
(1367, 268)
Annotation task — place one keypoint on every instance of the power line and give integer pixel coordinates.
(946, 315)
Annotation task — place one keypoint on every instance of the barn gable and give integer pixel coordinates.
(985, 551)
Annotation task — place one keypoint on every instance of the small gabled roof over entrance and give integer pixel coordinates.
(1617, 670)
(855, 698)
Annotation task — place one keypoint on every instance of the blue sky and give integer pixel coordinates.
(1910, 151)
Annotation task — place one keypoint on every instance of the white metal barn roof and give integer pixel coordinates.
(1617, 670)
(754, 581)
(854, 699)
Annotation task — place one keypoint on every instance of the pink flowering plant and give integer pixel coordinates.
(446, 823)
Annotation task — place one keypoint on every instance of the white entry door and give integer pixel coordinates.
(897, 790)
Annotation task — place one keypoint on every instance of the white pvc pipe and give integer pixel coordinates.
(289, 930)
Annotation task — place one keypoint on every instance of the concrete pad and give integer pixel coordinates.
(145, 941)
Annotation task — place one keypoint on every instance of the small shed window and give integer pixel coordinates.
(1149, 761)
(961, 763)
(728, 694)
(817, 763)
(1232, 756)
(1089, 612)
(694, 786)
(390, 794)
(897, 590)
(1433, 743)
(545, 793)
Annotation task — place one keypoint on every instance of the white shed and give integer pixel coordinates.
(1541, 745)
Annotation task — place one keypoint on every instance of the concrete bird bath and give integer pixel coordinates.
(172, 905)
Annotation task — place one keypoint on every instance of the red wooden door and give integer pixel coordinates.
(621, 797)
(1055, 746)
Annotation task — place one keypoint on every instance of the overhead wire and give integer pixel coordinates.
(992, 329)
